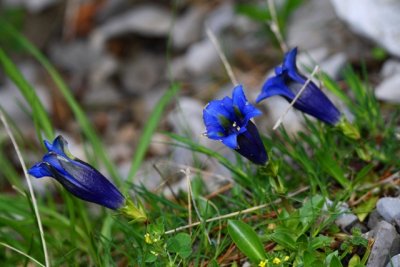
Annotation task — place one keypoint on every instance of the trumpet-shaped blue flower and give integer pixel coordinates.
(228, 120)
(287, 82)
(78, 177)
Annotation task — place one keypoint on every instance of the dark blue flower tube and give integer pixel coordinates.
(78, 177)
(228, 120)
(287, 82)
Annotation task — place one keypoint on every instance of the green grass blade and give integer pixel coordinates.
(189, 144)
(69, 98)
(39, 113)
(149, 129)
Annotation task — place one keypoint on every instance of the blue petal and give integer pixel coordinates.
(289, 61)
(87, 176)
(238, 97)
(230, 141)
(40, 170)
(275, 86)
(247, 110)
(59, 146)
(250, 145)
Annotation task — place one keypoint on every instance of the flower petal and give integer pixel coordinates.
(275, 86)
(230, 141)
(40, 170)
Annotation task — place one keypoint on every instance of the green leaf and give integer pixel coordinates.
(332, 260)
(180, 244)
(331, 166)
(247, 240)
(320, 242)
(354, 261)
(365, 208)
(310, 211)
(285, 237)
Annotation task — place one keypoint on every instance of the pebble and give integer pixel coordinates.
(377, 20)
(389, 208)
(386, 243)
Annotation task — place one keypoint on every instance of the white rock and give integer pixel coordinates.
(389, 89)
(202, 58)
(394, 261)
(334, 64)
(34, 6)
(378, 20)
(390, 67)
(189, 27)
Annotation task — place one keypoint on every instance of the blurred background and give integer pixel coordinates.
(119, 57)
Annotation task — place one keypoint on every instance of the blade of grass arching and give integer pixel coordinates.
(149, 129)
(69, 98)
(201, 149)
(39, 114)
(22, 253)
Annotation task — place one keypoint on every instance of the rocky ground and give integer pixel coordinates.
(113, 55)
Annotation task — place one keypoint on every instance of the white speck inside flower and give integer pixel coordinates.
(237, 127)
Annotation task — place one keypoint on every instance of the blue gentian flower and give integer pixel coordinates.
(228, 120)
(78, 177)
(288, 81)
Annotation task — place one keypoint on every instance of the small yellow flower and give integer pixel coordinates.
(286, 258)
(276, 261)
(147, 238)
(263, 263)
(154, 253)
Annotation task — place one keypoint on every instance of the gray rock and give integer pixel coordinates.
(389, 208)
(202, 58)
(189, 27)
(148, 20)
(101, 96)
(375, 19)
(220, 18)
(386, 243)
(346, 219)
(394, 261)
(373, 219)
(141, 73)
(307, 27)
(34, 6)
(76, 56)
